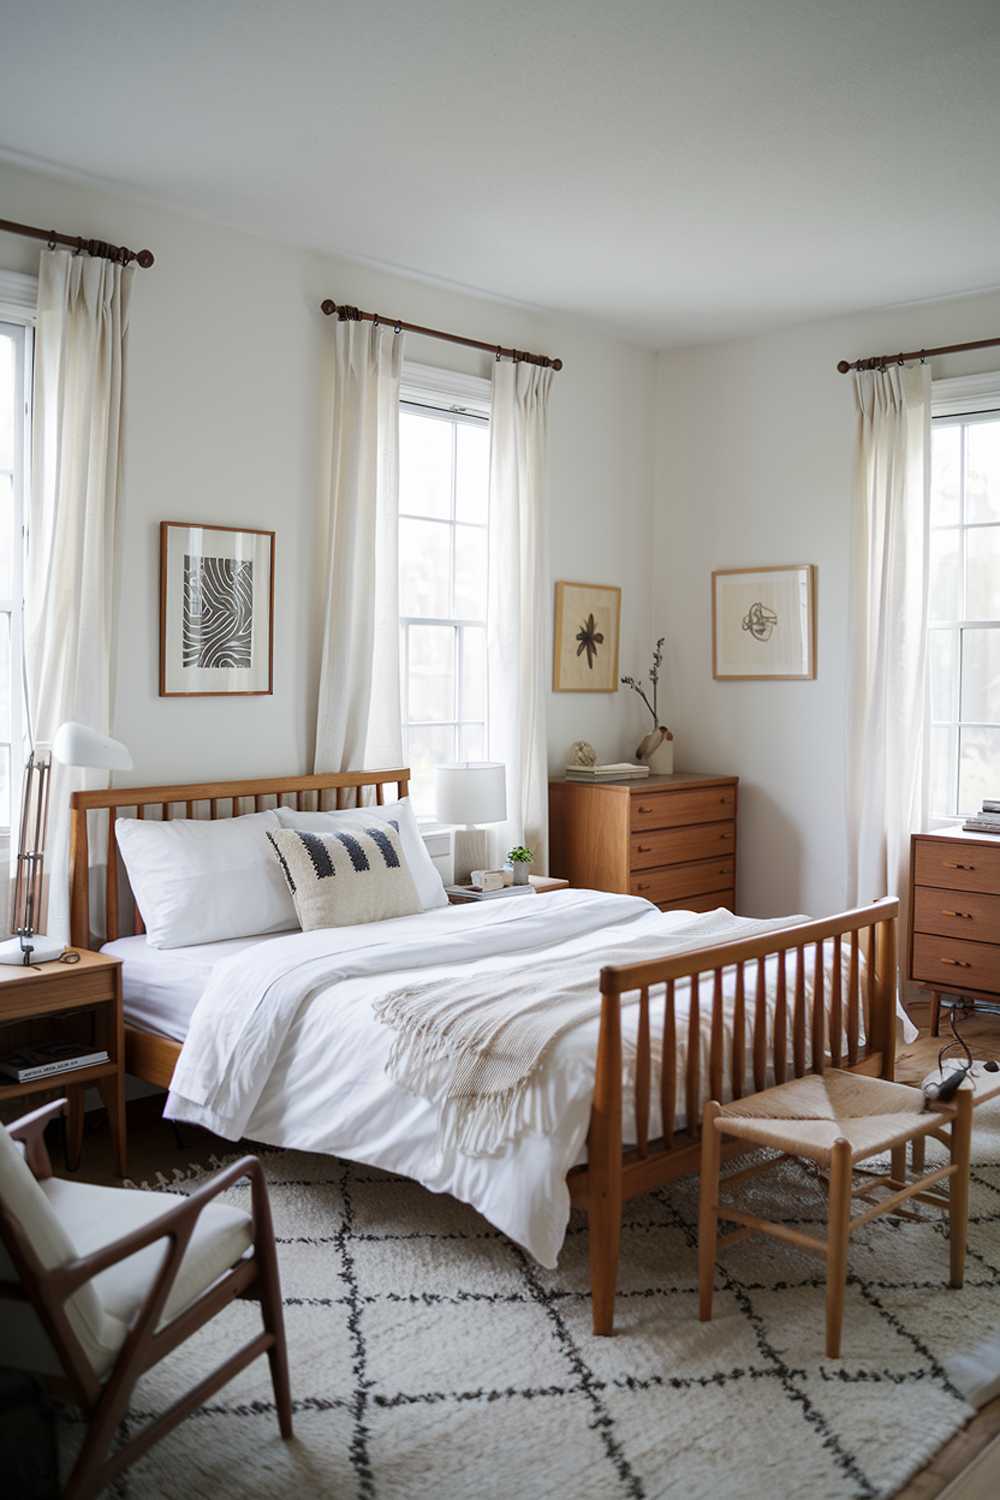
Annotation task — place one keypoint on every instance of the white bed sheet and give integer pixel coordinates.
(162, 986)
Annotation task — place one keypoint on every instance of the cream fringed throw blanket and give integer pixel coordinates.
(474, 1045)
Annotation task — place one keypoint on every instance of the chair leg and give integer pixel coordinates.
(958, 1199)
(919, 1155)
(935, 1014)
(708, 1208)
(273, 1316)
(898, 1167)
(838, 1236)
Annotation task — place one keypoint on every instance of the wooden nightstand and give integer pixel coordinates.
(41, 993)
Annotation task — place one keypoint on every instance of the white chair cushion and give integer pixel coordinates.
(94, 1216)
(26, 1344)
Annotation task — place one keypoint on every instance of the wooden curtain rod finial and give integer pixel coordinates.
(843, 366)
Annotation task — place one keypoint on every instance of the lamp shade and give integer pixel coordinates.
(78, 745)
(474, 791)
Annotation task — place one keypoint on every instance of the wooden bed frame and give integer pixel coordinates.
(612, 1174)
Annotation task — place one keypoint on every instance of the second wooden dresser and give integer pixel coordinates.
(671, 839)
(955, 916)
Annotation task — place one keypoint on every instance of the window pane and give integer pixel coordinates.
(424, 562)
(426, 748)
(7, 540)
(432, 672)
(424, 465)
(946, 576)
(473, 742)
(6, 401)
(982, 573)
(473, 673)
(943, 652)
(946, 475)
(472, 487)
(980, 768)
(982, 471)
(944, 754)
(981, 676)
(470, 573)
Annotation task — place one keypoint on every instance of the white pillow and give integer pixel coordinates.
(426, 877)
(200, 880)
(358, 874)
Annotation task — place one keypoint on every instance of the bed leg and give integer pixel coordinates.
(604, 1167)
(605, 1237)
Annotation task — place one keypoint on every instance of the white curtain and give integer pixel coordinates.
(358, 720)
(888, 632)
(518, 612)
(73, 515)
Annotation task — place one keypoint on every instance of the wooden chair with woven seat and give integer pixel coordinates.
(98, 1284)
(835, 1119)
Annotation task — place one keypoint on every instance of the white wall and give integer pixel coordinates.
(225, 423)
(753, 466)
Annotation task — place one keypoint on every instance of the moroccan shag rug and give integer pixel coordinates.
(432, 1357)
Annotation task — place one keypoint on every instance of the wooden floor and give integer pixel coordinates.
(154, 1150)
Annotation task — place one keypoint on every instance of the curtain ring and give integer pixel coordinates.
(397, 327)
(51, 244)
(923, 356)
(498, 353)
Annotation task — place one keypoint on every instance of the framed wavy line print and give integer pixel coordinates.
(216, 610)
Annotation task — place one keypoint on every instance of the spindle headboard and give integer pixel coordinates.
(212, 799)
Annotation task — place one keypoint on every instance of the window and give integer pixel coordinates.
(964, 604)
(15, 356)
(444, 444)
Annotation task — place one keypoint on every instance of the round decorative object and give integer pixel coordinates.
(582, 754)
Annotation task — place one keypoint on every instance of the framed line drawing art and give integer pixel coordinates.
(764, 623)
(585, 646)
(216, 610)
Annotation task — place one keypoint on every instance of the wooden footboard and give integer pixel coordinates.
(855, 1027)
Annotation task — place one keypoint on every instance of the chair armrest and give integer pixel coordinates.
(30, 1131)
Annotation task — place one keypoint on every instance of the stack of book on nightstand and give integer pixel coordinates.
(987, 821)
(624, 771)
(49, 1058)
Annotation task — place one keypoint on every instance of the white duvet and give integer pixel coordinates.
(284, 1047)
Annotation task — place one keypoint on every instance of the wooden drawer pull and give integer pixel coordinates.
(644, 848)
(643, 885)
(646, 809)
(967, 916)
(957, 963)
(949, 866)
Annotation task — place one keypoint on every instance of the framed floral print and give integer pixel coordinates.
(763, 623)
(585, 650)
(216, 610)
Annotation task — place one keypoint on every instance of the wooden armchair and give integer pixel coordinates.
(99, 1284)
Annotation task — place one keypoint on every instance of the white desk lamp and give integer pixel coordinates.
(73, 745)
(470, 793)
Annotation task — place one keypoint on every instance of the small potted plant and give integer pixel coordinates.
(520, 860)
(657, 747)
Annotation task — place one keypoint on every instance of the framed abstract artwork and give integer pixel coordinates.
(764, 623)
(585, 647)
(216, 610)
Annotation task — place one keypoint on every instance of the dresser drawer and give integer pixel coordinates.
(958, 867)
(702, 903)
(679, 881)
(672, 846)
(674, 809)
(944, 962)
(970, 915)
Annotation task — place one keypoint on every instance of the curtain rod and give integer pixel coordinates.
(879, 361)
(354, 314)
(120, 253)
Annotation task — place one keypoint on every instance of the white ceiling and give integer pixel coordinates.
(682, 169)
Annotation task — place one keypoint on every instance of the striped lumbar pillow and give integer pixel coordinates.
(340, 879)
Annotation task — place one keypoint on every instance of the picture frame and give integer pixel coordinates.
(764, 623)
(216, 610)
(585, 643)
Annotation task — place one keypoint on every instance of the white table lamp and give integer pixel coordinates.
(73, 745)
(470, 793)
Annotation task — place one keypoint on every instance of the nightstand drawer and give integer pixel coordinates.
(680, 881)
(970, 915)
(675, 809)
(702, 903)
(956, 866)
(948, 962)
(673, 846)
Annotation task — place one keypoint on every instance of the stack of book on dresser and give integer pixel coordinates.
(624, 771)
(987, 821)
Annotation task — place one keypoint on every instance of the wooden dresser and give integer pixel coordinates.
(955, 916)
(671, 839)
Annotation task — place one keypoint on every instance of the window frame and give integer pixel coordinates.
(960, 402)
(17, 321)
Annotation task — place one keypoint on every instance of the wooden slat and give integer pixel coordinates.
(738, 1064)
(819, 1012)
(140, 811)
(668, 1065)
(760, 1030)
(340, 799)
(297, 801)
(213, 805)
(799, 1014)
(692, 1088)
(836, 1005)
(780, 1043)
(379, 795)
(852, 1003)
(715, 1047)
(869, 987)
(258, 802)
(111, 881)
(642, 1075)
(165, 813)
(189, 808)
